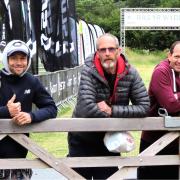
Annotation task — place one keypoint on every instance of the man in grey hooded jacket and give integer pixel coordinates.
(108, 83)
(18, 91)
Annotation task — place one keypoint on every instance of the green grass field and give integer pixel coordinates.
(145, 62)
(56, 143)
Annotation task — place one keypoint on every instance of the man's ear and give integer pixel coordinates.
(97, 54)
(169, 56)
(119, 50)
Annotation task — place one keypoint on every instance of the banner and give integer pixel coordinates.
(58, 35)
(152, 18)
(62, 85)
(16, 23)
(94, 36)
(98, 30)
(86, 38)
(80, 43)
(49, 27)
(3, 33)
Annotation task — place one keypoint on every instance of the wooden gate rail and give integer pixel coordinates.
(127, 165)
(109, 161)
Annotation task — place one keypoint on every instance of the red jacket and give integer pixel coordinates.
(162, 95)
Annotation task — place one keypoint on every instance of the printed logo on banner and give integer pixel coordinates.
(46, 26)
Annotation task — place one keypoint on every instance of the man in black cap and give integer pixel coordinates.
(18, 90)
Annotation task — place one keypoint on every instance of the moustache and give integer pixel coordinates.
(107, 59)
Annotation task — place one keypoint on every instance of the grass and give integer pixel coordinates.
(55, 143)
(145, 62)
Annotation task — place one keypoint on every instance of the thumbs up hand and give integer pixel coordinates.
(14, 108)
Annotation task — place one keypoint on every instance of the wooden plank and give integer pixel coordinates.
(87, 124)
(109, 161)
(126, 172)
(22, 163)
(121, 161)
(160, 144)
(45, 156)
(2, 136)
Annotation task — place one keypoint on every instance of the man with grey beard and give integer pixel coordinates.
(108, 83)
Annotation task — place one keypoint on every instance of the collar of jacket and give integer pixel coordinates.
(120, 66)
(122, 70)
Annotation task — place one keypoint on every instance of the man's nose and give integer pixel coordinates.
(107, 51)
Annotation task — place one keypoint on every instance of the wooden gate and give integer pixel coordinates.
(127, 165)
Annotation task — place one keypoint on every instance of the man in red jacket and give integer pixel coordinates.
(164, 92)
(108, 84)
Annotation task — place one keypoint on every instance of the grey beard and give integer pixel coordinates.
(108, 66)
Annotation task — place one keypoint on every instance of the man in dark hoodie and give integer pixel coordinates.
(107, 85)
(18, 91)
(164, 92)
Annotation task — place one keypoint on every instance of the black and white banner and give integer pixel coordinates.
(87, 36)
(16, 23)
(48, 27)
(58, 35)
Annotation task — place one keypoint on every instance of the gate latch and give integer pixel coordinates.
(169, 121)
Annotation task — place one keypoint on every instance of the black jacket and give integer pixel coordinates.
(93, 89)
(28, 90)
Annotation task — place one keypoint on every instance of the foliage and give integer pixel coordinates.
(151, 40)
(145, 61)
(142, 3)
(104, 13)
(170, 3)
(55, 143)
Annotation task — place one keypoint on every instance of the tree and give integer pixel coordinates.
(105, 13)
(170, 3)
